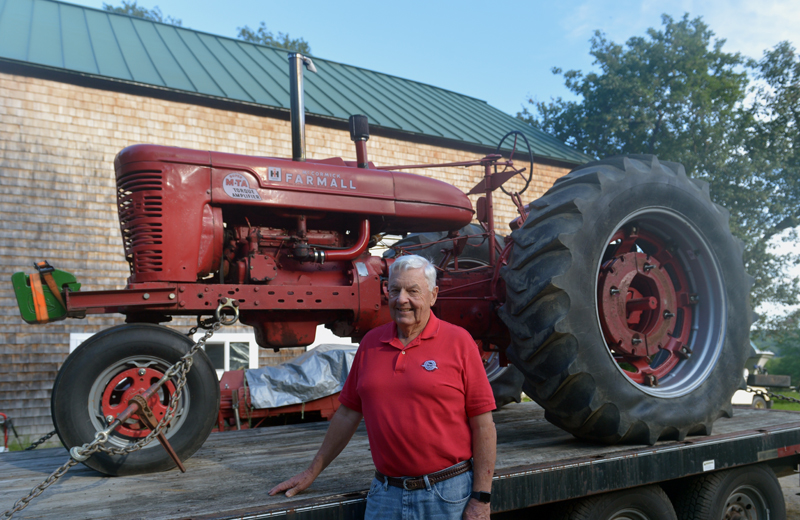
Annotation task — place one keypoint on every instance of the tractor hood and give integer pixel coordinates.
(395, 202)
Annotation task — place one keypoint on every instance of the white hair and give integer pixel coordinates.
(406, 262)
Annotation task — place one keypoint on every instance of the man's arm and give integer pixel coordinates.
(340, 431)
(484, 452)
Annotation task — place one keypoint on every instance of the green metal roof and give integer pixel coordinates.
(105, 45)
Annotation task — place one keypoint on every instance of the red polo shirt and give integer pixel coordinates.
(417, 399)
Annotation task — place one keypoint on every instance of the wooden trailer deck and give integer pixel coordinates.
(230, 475)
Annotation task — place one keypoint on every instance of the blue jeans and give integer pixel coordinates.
(444, 500)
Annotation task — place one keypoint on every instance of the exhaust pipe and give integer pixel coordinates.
(298, 111)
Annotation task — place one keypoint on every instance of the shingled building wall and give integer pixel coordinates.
(58, 201)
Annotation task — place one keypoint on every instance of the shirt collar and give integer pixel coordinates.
(431, 330)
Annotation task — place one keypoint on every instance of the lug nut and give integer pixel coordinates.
(636, 341)
(668, 315)
(109, 419)
(614, 291)
(142, 372)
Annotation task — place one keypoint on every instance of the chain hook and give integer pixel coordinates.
(78, 453)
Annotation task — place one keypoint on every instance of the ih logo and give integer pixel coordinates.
(274, 174)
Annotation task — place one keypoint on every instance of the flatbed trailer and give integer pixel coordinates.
(537, 463)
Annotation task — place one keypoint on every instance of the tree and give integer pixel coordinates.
(265, 37)
(775, 141)
(787, 346)
(676, 93)
(132, 9)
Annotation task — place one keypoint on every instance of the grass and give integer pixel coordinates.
(779, 404)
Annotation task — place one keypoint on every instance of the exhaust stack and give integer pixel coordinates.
(298, 112)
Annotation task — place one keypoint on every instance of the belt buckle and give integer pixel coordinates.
(405, 484)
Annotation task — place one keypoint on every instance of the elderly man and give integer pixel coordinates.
(420, 386)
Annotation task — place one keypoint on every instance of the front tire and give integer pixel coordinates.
(106, 370)
(627, 303)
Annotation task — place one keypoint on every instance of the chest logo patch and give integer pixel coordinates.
(430, 365)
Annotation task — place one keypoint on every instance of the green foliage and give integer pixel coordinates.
(784, 340)
(665, 93)
(676, 93)
(265, 37)
(132, 9)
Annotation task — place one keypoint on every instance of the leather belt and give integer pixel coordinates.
(411, 483)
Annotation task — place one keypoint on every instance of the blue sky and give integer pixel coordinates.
(502, 53)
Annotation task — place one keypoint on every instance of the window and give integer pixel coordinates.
(231, 351)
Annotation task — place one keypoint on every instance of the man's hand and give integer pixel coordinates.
(476, 510)
(340, 430)
(296, 484)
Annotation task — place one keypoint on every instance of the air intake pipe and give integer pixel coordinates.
(298, 112)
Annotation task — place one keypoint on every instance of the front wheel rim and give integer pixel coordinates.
(112, 389)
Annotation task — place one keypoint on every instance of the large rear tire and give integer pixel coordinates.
(506, 381)
(627, 303)
(110, 367)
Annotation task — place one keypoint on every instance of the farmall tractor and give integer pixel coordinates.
(620, 295)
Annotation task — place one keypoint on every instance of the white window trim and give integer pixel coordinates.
(76, 338)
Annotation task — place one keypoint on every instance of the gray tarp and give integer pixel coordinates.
(317, 373)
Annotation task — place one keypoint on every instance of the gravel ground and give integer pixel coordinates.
(791, 486)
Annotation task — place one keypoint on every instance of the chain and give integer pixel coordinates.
(81, 453)
(772, 395)
(41, 441)
(22, 503)
(202, 324)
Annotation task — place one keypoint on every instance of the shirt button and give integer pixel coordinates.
(403, 352)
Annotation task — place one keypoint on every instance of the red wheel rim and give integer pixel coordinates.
(123, 386)
(644, 305)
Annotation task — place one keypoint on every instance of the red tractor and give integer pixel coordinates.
(620, 295)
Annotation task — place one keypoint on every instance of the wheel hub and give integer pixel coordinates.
(127, 384)
(638, 302)
(644, 305)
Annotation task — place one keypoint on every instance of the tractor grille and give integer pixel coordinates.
(140, 206)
